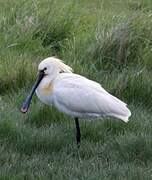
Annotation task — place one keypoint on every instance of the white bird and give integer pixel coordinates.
(74, 94)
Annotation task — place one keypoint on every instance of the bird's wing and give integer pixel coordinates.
(79, 94)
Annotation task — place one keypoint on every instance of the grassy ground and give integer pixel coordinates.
(107, 41)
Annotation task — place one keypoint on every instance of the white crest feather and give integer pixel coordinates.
(63, 67)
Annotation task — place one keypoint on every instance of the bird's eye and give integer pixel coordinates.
(45, 69)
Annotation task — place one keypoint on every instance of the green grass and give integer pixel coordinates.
(107, 41)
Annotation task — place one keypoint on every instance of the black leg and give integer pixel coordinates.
(78, 134)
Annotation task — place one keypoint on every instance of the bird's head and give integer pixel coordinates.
(50, 67)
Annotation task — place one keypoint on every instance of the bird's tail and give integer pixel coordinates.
(125, 118)
(120, 110)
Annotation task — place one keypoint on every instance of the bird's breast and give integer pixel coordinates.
(47, 89)
(44, 92)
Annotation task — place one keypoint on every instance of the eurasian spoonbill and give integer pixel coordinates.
(74, 94)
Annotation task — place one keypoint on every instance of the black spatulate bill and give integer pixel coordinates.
(27, 102)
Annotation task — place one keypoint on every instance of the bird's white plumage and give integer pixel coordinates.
(78, 96)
